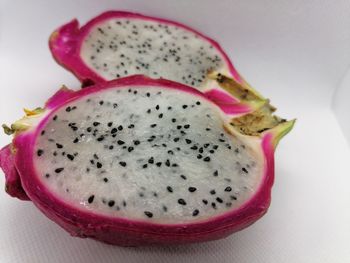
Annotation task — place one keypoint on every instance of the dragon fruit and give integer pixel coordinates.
(117, 44)
(139, 161)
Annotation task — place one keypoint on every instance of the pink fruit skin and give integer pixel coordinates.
(124, 232)
(13, 184)
(65, 44)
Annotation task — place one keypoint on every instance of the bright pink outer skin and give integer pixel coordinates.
(13, 185)
(125, 232)
(65, 44)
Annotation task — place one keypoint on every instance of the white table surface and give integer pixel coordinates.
(294, 52)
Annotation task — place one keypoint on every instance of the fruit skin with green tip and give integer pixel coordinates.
(17, 163)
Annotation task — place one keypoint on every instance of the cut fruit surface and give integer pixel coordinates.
(140, 161)
(117, 44)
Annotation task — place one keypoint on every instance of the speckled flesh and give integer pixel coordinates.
(117, 44)
(65, 195)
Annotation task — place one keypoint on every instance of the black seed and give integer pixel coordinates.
(205, 201)
(99, 165)
(192, 189)
(120, 127)
(122, 164)
(198, 103)
(136, 142)
(207, 129)
(114, 130)
(70, 157)
(221, 140)
(58, 170)
(115, 105)
(131, 126)
(186, 126)
(184, 106)
(124, 203)
(188, 141)
(159, 164)
(171, 152)
(101, 138)
(194, 147)
(181, 201)
(151, 160)
(213, 205)
(206, 159)
(195, 212)
(169, 108)
(173, 120)
(148, 94)
(167, 162)
(148, 214)
(212, 151)
(153, 125)
(216, 173)
(40, 152)
(47, 175)
(233, 197)
(183, 177)
(178, 127)
(111, 147)
(59, 146)
(91, 199)
(54, 117)
(89, 129)
(149, 111)
(68, 109)
(228, 189)
(201, 150)
(206, 145)
(130, 149)
(101, 102)
(42, 132)
(199, 156)
(212, 192)
(120, 142)
(54, 153)
(95, 123)
(105, 180)
(144, 166)
(176, 139)
(244, 170)
(160, 116)
(170, 189)
(111, 203)
(219, 200)
(215, 147)
(157, 107)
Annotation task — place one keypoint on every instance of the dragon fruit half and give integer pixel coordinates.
(139, 161)
(118, 44)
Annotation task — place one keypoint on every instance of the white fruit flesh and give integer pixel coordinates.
(154, 154)
(122, 47)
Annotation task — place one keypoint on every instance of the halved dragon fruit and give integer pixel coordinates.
(117, 44)
(138, 161)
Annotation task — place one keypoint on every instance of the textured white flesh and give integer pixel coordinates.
(142, 193)
(122, 47)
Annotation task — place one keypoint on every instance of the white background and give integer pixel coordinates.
(295, 52)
